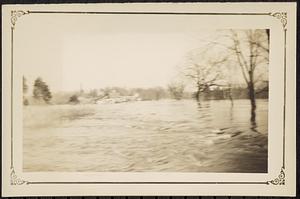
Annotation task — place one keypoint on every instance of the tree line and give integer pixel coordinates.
(41, 93)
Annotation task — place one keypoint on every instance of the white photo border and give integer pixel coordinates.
(16, 14)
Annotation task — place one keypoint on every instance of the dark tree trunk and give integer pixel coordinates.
(252, 100)
(198, 92)
(198, 95)
(268, 35)
(230, 96)
(252, 95)
(251, 90)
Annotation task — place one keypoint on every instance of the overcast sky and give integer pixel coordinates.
(123, 59)
(101, 51)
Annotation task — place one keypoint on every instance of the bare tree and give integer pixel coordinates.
(205, 72)
(251, 49)
(176, 90)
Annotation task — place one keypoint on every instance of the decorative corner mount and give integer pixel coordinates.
(280, 180)
(15, 14)
(14, 180)
(282, 16)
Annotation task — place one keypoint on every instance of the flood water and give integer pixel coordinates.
(147, 136)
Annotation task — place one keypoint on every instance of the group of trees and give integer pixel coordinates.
(41, 92)
(233, 56)
(214, 68)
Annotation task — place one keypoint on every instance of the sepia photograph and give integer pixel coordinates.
(147, 99)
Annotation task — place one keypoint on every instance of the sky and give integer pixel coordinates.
(124, 59)
(101, 51)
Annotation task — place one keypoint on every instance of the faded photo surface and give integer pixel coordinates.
(143, 94)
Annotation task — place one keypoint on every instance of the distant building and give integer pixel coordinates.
(115, 97)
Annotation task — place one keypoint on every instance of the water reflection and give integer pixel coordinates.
(203, 105)
(253, 119)
(204, 111)
(231, 112)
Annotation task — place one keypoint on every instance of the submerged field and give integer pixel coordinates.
(164, 135)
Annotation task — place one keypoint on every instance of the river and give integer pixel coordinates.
(147, 136)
